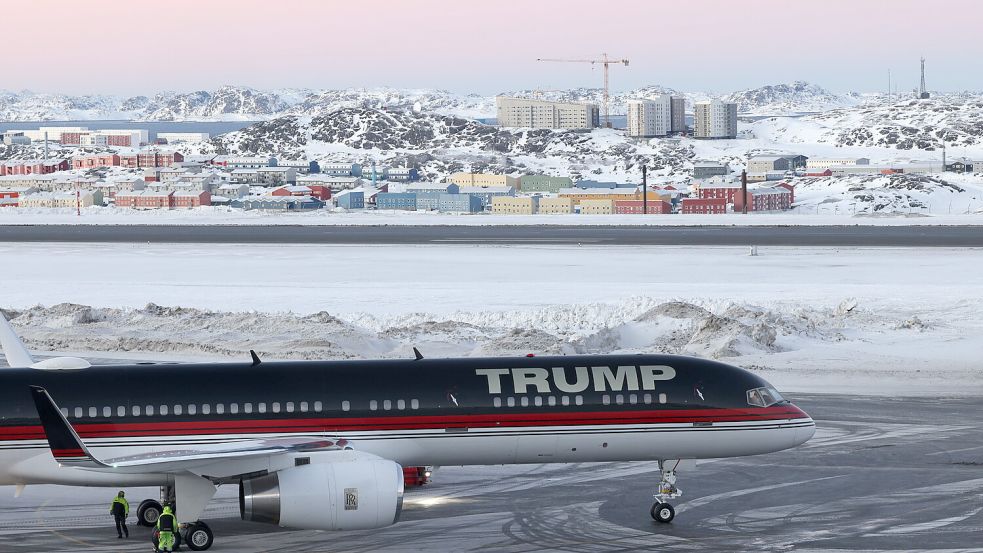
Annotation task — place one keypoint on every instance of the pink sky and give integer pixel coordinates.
(136, 46)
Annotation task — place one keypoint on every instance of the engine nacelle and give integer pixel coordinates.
(345, 495)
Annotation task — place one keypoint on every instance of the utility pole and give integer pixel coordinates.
(943, 153)
(645, 191)
(744, 191)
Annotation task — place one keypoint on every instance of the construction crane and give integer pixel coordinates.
(606, 62)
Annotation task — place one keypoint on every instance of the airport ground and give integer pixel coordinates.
(882, 474)
(704, 235)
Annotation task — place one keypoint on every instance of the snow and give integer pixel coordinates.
(867, 320)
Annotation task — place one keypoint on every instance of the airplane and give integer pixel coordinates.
(321, 444)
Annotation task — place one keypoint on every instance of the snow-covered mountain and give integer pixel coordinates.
(788, 98)
(441, 144)
(907, 124)
(245, 104)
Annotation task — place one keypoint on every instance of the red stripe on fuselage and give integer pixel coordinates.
(412, 422)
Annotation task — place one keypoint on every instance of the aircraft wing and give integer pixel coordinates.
(69, 449)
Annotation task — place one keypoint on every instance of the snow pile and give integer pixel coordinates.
(672, 327)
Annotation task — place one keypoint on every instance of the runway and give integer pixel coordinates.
(881, 474)
(877, 236)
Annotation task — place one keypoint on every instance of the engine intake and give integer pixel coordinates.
(355, 495)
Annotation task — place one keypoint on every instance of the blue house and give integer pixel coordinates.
(462, 203)
(405, 201)
(350, 199)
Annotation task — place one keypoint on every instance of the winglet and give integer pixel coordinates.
(66, 446)
(417, 353)
(17, 355)
(256, 359)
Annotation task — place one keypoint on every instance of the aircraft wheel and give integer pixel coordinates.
(155, 539)
(199, 536)
(663, 512)
(148, 512)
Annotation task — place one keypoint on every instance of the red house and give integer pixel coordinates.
(192, 199)
(655, 207)
(777, 198)
(826, 173)
(96, 160)
(728, 192)
(704, 205)
(318, 191)
(33, 166)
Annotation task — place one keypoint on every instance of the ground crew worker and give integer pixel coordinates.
(166, 528)
(120, 509)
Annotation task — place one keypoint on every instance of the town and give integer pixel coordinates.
(126, 169)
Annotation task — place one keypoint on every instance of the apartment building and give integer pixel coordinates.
(650, 117)
(678, 109)
(483, 180)
(555, 205)
(543, 114)
(715, 119)
(830, 162)
(508, 205)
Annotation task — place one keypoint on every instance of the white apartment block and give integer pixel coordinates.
(650, 117)
(829, 163)
(54, 133)
(542, 114)
(172, 137)
(483, 180)
(715, 119)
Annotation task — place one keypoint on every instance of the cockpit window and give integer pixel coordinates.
(764, 397)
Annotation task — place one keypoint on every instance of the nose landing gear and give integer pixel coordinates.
(662, 511)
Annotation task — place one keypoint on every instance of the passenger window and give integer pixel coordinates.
(497, 401)
(524, 401)
(537, 401)
(303, 407)
(552, 401)
(579, 400)
(387, 404)
(206, 409)
(261, 407)
(662, 398)
(234, 408)
(632, 399)
(606, 399)
(276, 406)
(346, 405)
(247, 407)
(414, 404)
(93, 412)
(510, 401)
(178, 409)
(647, 399)
(373, 405)
(318, 406)
(400, 404)
(120, 411)
(163, 409)
(78, 412)
(107, 412)
(136, 410)
(290, 407)
(619, 399)
(192, 409)
(219, 408)
(150, 410)
(64, 411)
(565, 400)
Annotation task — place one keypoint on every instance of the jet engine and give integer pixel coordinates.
(345, 495)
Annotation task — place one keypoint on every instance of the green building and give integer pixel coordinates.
(544, 183)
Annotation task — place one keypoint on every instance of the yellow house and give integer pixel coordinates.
(509, 205)
(555, 205)
(483, 180)
(597, 207)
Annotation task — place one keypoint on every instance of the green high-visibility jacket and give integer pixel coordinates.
(174, 523)
(122, 501)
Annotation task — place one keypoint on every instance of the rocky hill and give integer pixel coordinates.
(789, 98)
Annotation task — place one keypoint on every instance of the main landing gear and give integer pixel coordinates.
(662, 511)
(197, 536)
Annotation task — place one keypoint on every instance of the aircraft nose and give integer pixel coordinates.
(804, 433)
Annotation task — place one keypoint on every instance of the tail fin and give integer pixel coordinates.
(66, 446)
(17, 355)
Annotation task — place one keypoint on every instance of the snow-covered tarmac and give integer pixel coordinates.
(867, 320)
